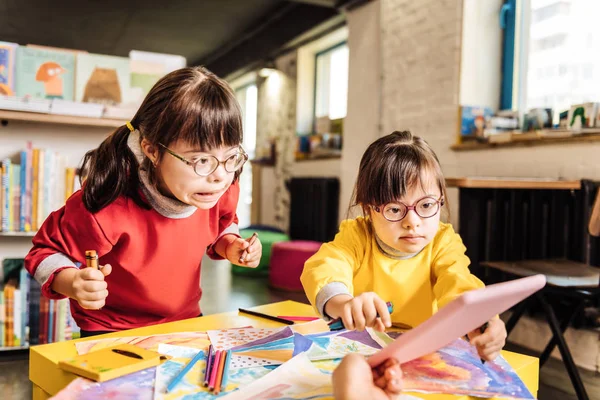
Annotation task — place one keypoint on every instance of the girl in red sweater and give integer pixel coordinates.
(160, 192)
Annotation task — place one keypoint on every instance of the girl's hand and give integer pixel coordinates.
(489, 343)
(241, 252)
(354, 379)
(89, 287)
(360, 312)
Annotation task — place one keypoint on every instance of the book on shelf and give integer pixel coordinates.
(33, 184)
(45, 73)
(102, 79)
(7, 68)
(26, 317)
(72, 82)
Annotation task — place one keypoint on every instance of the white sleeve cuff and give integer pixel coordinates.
(50, 264)
(326, 293)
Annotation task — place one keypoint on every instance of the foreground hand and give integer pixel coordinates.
(89, 287)
(489, 343)
(354, 379)
(241, 252)
(360, 312)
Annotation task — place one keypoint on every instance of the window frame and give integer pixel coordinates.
(315, 80)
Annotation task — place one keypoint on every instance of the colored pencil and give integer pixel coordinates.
(220, 372)
(184, 371)
(297, 318)
(338, 324)
(267, 316)
(209, 359)
(482, 331)
(251, 241)
(226, 371)
(214, 370)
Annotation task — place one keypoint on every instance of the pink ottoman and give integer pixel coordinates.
(287, 263)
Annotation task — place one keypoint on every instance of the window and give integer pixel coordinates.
(247, 96)
(331, 82)
(551, 54)
(545, 12)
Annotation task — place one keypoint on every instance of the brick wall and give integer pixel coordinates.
(421, 52)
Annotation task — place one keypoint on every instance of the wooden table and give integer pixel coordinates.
(48, 379)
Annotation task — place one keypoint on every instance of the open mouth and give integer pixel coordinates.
(208, 196)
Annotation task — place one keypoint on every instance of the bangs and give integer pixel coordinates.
(205, 115)
(390, 175)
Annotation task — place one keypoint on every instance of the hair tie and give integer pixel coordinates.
(129, 126)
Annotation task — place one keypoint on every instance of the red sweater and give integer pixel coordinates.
(155, 259)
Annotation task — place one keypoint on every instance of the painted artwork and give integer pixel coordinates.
(276, 346)
(262, 360)
(136, 386)
(299, 378)
(457, 369)
(197, 340)
(191, 387)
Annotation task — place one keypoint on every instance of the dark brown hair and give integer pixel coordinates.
(189, 104)
(392, 165)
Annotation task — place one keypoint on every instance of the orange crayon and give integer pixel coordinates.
(91, 259)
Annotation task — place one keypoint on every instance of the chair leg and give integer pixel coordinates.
(517, 314)
(564, 349)
(563, 327)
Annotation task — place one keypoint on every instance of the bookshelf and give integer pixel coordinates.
(14, 348)
(70, 136)
(18, 234)
(22, 116)
(545, 138)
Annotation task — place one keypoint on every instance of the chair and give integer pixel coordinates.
(577, 281)
(268, 238)
(287, 263)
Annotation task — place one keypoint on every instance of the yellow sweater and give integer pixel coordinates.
(416, 286)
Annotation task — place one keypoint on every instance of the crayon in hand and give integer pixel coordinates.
(338, 324)
(251, 242)
(91, 259)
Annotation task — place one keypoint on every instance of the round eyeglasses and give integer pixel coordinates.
(206, 164)
(426, 207)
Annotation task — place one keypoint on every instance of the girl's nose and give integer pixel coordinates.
(218, 174)
(411, 220)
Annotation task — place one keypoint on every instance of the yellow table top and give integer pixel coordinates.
(48, 379)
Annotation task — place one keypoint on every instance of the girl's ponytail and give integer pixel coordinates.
(109, 171)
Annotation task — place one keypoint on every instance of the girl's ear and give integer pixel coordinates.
(150, 150)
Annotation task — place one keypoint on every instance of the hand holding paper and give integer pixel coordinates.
(459, 317)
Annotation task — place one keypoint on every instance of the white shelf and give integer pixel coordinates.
(14, 348)
(60, 119)
(18, 234)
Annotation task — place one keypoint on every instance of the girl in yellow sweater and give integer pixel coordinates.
(399, 251)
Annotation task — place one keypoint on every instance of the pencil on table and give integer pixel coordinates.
(226, 371)
(220, 372)
(209, 358)
(184, 371)
(266, 316)
(213, 371)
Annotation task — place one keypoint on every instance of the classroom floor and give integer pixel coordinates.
(223, 292)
